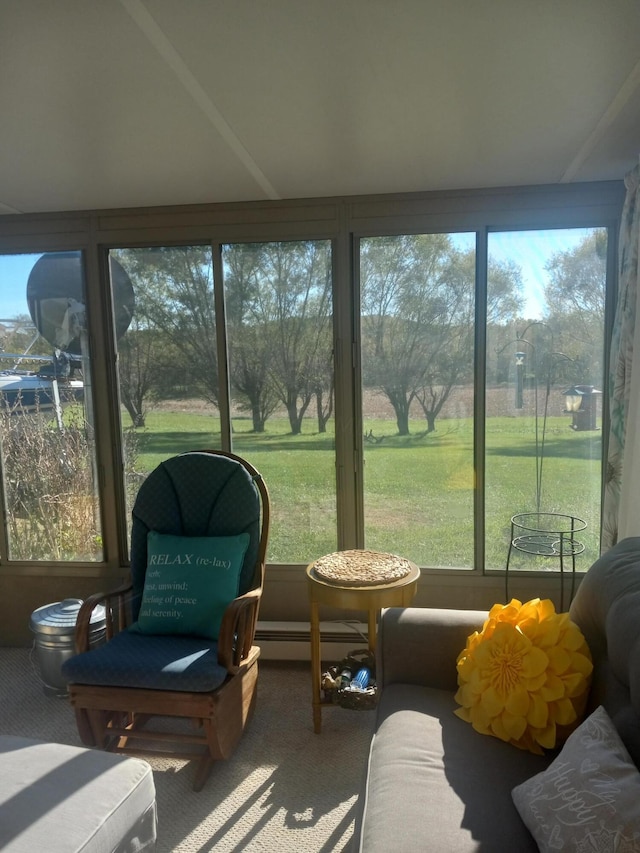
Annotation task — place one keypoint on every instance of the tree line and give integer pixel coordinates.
(417, 316)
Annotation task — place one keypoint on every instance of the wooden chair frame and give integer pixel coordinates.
(112, 717)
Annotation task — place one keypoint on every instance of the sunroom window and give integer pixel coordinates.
(50, 491)
(167, 359)
(544, 383)
(405, 391)
(258, 382)
(279, 314)
(516, 372)
(417, 319)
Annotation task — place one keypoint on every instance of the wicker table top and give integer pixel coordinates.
(361, 568)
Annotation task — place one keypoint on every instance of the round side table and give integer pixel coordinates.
(369, 587)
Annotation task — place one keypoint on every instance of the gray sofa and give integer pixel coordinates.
(432, 782)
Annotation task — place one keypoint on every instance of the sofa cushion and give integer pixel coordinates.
(59, 798)
(589, 797)
(434, 784)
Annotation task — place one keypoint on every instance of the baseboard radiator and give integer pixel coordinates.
(291, 640)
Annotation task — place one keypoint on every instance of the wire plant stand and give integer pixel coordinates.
(540, 533)
(547, 534)
(550, 362)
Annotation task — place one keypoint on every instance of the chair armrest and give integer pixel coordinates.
(116, 613)
(418, 645)
(237, 630)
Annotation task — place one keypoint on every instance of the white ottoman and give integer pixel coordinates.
(66, 798)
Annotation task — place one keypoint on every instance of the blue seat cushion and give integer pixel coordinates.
(155, 662)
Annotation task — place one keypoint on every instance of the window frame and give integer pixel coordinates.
(344, 221)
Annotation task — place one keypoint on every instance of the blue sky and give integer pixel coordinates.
(531, 250)
(14, 274)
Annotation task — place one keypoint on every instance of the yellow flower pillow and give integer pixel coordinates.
(525, 676)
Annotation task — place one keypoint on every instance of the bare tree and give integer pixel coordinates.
(248, 338)
(575, 297)
(138, 371)
(174, 298)
(418, 314)
(283, 343)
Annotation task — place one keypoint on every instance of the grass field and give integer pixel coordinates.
(418, 489)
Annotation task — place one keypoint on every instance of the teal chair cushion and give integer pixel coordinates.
(159, 663)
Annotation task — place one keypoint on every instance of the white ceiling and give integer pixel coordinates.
(120, 103)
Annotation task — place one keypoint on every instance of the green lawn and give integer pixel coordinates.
(418, 488)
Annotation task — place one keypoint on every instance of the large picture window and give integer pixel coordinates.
(544, 316)
(167, 358)
(279, 310)
(407, 376)
(544, 382)
(417, 308)
(276, 361)
(50, 489)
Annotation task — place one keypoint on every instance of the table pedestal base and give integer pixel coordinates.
(399, 593)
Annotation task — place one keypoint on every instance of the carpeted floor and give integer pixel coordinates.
(284, 789)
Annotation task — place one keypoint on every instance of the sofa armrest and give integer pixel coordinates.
(418, 645)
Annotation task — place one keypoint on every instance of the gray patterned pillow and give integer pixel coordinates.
(588, 799)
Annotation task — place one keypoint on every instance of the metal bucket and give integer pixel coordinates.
(54, 627)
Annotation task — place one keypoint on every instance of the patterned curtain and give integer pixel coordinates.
(621, 511)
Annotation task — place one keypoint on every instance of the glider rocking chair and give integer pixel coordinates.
(180, 635)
